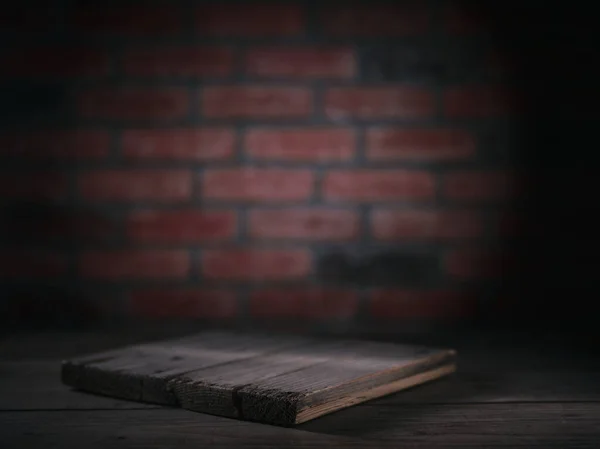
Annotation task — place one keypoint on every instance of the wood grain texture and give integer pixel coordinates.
(214, 390)
(156, 429)
(556, 425)
(359, 397)
(294, 397)
(509, 392)
(141, 372)
(510, 385)
(451, 426)
(281, 380)
(35, 385)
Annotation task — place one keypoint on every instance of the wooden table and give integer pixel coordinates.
(509, 392)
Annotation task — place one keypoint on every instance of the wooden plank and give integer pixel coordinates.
(308, 393)
(156, 429)
(272, 379)
(359, 396)
(221, 389)
(35, 385)
(464, 426)
(214, 390)
(141, 372)
(544, 425)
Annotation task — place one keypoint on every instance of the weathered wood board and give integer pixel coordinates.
(274, 379)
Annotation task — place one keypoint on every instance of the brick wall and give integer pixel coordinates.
(349, 164)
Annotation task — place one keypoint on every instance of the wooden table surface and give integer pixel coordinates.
(507, 393)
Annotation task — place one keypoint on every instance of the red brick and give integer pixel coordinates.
(34, 185)
(32, 264)
(315, 303)
(257, 19)
(178, 144)
(425, 224)
(379, 102)
(301, 62)
(479, 185)
(476, 263)
(178, 61)
(139, 103)
(412, 304)
(389, 144)
(136, 185)
(378, 185)
(135, 264)
(257, 184)
(256, 264)
(181, 226)
(256, 102)
(301, 145)
(376, 19)
(183, 303)
(306, 224)
(50, 144)
(480, 102)
(129, 20)
(54, 61)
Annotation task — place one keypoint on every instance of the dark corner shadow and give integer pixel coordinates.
(550, 283)
(34, 223)
(553, 284)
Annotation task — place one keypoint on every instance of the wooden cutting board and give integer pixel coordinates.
(274, 379)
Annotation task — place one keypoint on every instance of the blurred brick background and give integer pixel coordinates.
(341, 164)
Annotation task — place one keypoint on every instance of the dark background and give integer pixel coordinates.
(508, 238)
